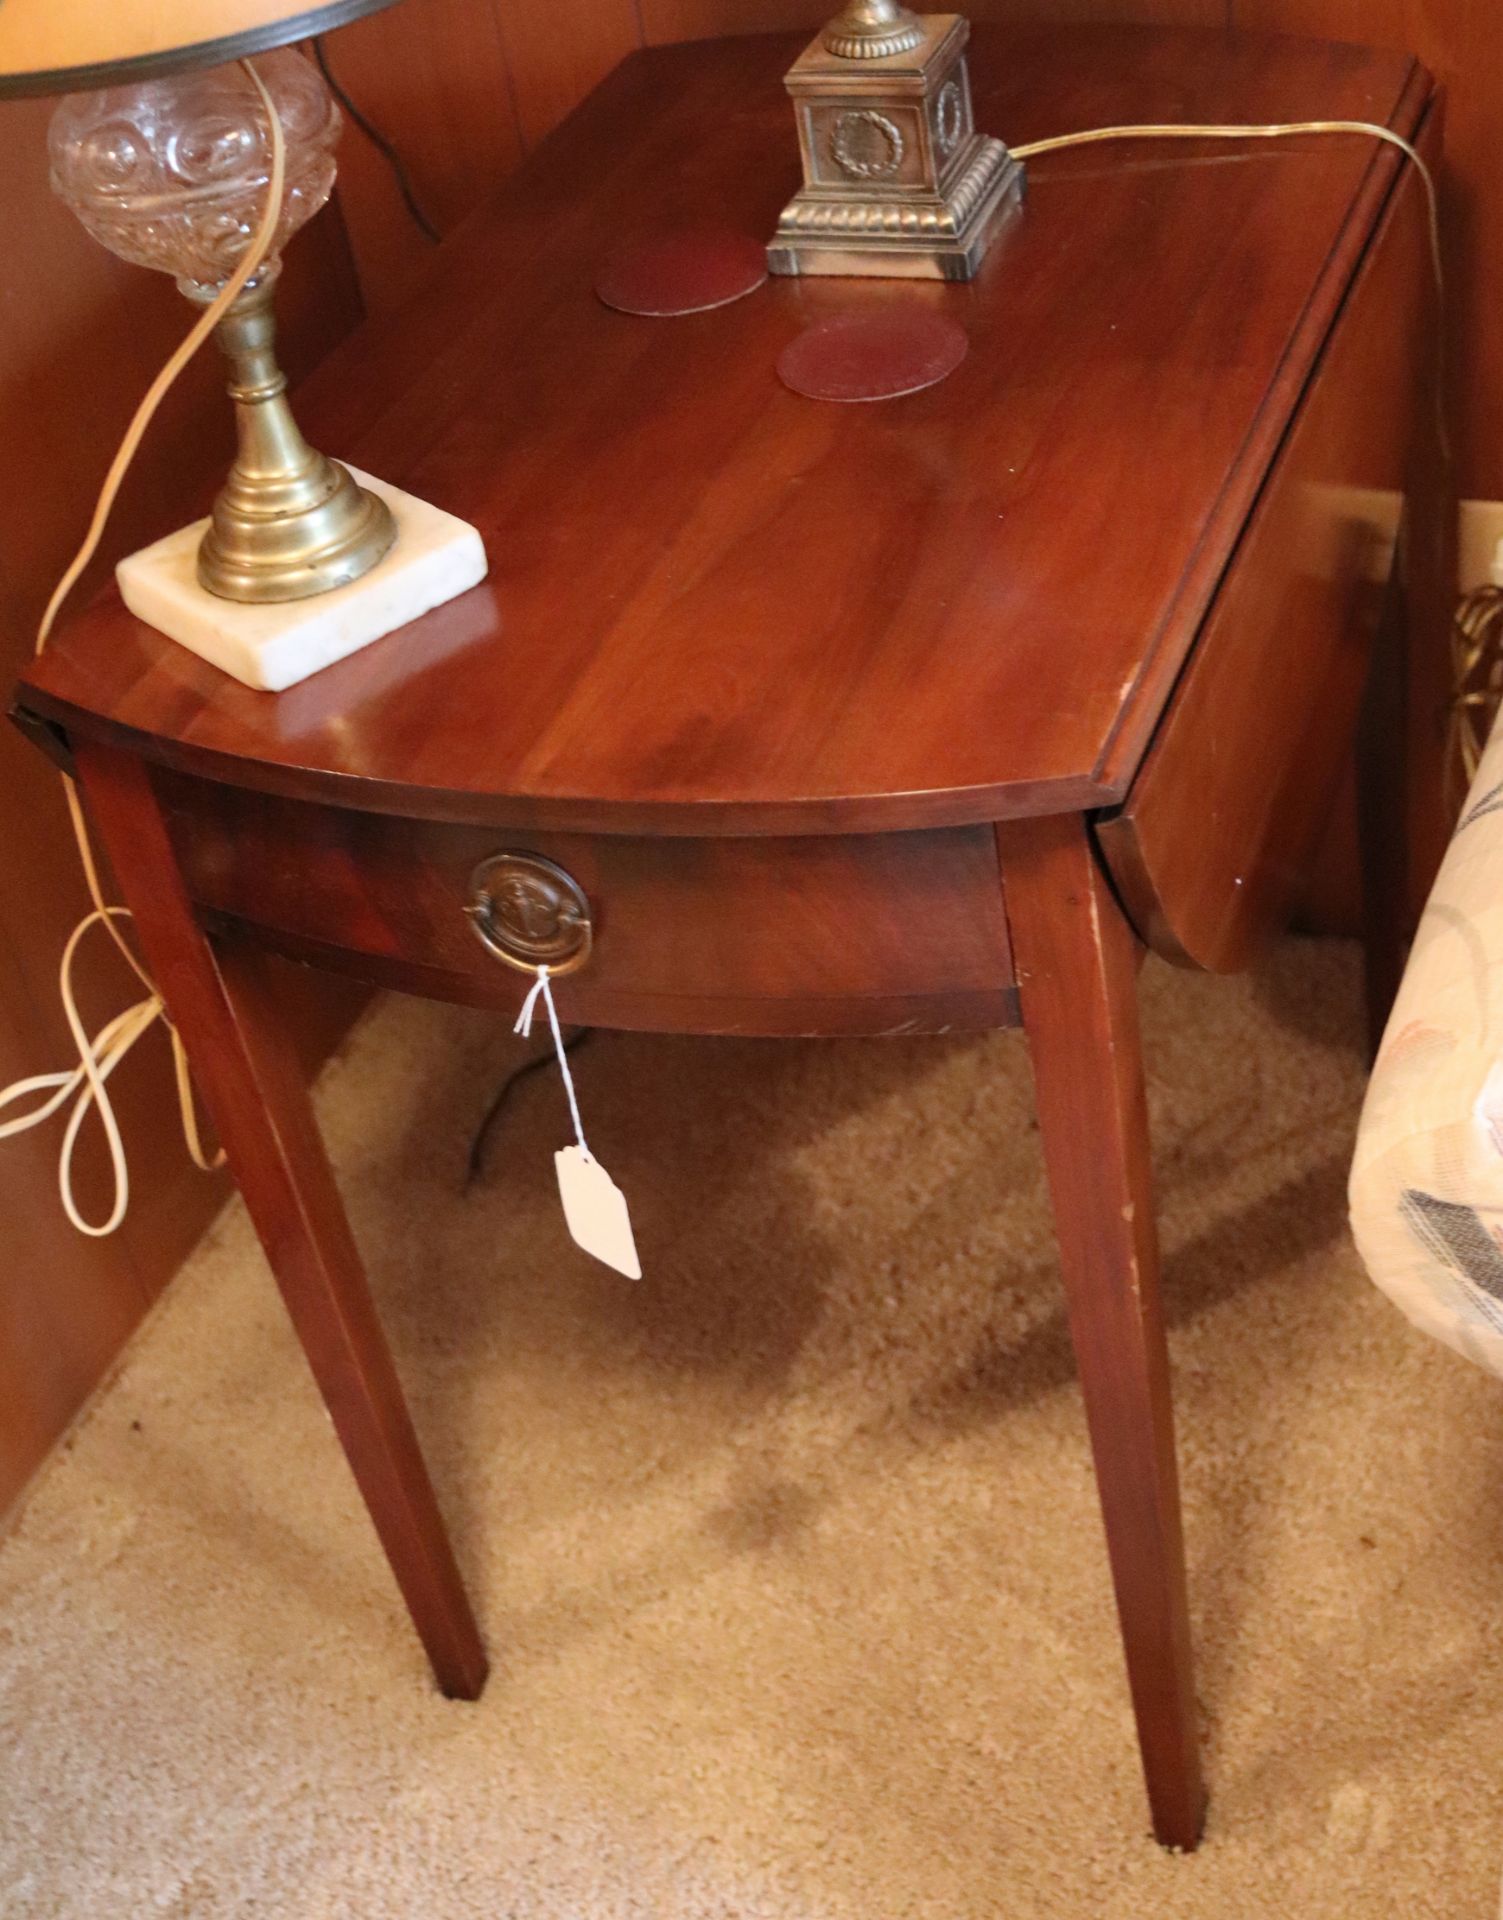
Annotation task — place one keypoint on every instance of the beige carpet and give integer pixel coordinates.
(789, 1555)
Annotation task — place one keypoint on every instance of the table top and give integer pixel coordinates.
(716, 607)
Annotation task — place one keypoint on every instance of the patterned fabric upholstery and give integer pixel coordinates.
(1427, 1183)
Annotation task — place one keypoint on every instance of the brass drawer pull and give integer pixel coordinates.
(530, 913)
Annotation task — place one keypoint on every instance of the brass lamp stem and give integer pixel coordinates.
(872, 29)
(289, 523)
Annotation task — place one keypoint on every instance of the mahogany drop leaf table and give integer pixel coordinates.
(781, 717)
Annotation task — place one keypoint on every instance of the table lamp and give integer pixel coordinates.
(898, 183)
(166, 159)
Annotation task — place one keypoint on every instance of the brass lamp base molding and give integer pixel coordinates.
(275, 644)
(929, 237)
(873, 29)
(258, 550)
(898, 183)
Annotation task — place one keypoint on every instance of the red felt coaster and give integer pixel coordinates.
(687, 270)
(873, 356)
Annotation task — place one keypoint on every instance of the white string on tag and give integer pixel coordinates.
(524, 1027)
(595, 1209)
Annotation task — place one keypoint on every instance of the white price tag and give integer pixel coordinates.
(594, 1206)
(595, 1211)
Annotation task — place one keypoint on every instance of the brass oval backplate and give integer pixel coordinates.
(530, 913)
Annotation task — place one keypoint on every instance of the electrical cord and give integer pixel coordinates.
(475, 1165)
(379, 141)
(1477, 634)
(1289, 130)
(1273, 130)
(98, 1057)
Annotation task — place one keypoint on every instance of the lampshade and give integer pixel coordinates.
(59, 46)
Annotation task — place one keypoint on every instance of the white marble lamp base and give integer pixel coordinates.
(435, 558)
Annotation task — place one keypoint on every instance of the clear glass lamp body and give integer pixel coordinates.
(173, 174)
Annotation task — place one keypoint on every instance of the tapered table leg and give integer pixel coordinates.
(1076, 959)
(252, 1087)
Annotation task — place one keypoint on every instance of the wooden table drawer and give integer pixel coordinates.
(869, 933)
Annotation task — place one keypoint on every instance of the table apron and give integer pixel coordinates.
(871, 933)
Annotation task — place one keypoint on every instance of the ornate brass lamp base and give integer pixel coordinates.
(897, 181)
(289, 523)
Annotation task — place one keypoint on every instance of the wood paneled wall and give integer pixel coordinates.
(465, 87)
(80, 338)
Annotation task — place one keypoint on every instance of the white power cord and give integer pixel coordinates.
(1274, 130)
(1290, 130)
(98, 1057)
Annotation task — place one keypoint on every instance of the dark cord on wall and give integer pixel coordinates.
(380, 142)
